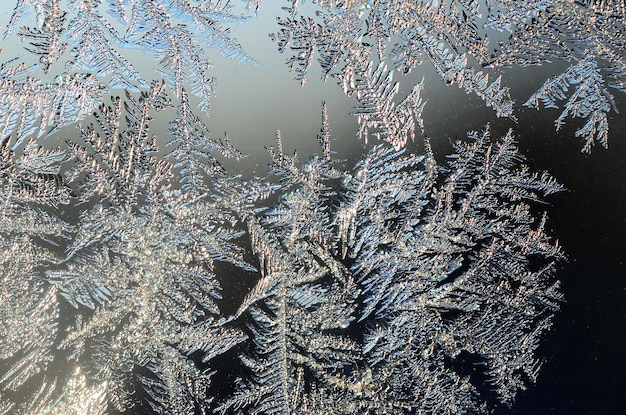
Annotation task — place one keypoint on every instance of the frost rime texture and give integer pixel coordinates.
(143, 260)
(373, 286)
(304, 297)
(454, 35)
(29, 308)
(447, 273)
(350, 35)
(173, 32)
(441, 263)
(28, 106)
(590, 101)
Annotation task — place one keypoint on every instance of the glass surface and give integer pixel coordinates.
(153, 261)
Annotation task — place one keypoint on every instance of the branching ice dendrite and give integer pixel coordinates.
(590, 100)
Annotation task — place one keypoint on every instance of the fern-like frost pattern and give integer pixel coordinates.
(426, 250)
(440, 271)
(375, 282)
(590, 101)
(455, 36)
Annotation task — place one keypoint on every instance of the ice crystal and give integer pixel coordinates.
(377, 110)
(143, 260)
(103, 40)
(77, 398)
(442, 256)
(375, 286)
(588, 33)
(191, 148)
(29, 309)
(590, 101)
(138, 269)
(305, 295)
(349, 35)
(435, 262)
(455, 35)
(29, 106)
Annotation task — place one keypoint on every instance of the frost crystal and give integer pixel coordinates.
(434, 262)
(28, 106)
(349, 34)
(139, 267)
(103, 41)
(590, 100)
(143, 260)
(377, 110)
(29, 307)
(375, 286)
(455, 35)
(444, 268)
(304, 299)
